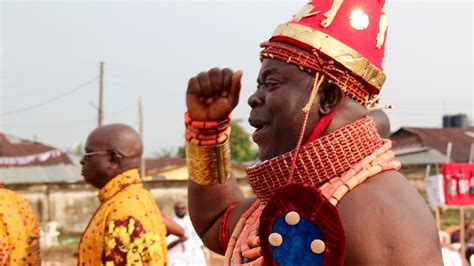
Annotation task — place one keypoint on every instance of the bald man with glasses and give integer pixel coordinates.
(127, 228)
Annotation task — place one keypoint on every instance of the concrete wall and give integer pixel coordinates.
(73, 205)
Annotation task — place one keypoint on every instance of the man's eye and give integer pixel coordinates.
(271, 84)
(267, 85)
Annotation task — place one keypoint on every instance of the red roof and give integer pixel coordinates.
(437, 138)
(11, 146)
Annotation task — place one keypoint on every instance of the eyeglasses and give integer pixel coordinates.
(116, 153)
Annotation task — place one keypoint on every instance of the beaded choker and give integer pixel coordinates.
(319, 161)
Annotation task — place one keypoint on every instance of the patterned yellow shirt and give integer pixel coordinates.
(127, 229)
(19, 230)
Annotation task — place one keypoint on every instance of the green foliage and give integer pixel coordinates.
(450, 216)
(79, 150)
(240, 144)
(181, 152)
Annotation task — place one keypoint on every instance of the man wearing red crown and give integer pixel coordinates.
(327, 189)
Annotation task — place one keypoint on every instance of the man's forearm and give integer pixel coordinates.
(211, 188)
(207, 205)
(173, 228)
(176, 242)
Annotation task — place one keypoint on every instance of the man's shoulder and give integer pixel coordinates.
(384, 200)
(133, 201)
(387, 212)
(10, 195)
(133, 193)
(14, 201)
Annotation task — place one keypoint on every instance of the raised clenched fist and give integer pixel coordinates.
(212, 95)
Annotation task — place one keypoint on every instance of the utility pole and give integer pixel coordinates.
(100, 117)
(140, 130)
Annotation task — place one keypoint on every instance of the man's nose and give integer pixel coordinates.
(255, 100)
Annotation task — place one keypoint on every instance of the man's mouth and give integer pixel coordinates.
(260, 126)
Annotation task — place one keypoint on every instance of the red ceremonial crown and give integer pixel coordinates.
(343, 39)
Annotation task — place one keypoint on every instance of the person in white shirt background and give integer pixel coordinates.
(190, 251)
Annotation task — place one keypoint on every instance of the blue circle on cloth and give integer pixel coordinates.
(296, 246)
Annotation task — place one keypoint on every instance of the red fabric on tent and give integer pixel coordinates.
(458, 183)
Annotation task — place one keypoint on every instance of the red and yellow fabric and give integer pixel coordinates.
(127, 229)
(19, 230)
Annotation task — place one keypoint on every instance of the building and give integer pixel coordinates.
(417, 148)
(433, 142)
(26, 161)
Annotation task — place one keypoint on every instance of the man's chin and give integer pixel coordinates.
(260, 154)
(88, 181)
(264, 154)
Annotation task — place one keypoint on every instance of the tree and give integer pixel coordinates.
(240, 144)
(78, 150)
(181, 152)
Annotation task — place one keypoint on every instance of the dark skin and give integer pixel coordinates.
(382, 122)
(175, 229)
(180, 209)
(469, 234)
(172, 228)
(384, 219)
(122, 148)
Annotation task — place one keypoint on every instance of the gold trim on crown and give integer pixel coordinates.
(337, 50)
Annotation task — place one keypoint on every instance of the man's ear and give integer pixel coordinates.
(114, 159)
(330, 97)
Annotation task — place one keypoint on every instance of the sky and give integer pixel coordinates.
(51, 51)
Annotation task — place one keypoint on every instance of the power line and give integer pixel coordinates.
(50, 100)
(69, 123)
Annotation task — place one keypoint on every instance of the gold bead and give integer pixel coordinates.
(292, 218)
(275, 239)
(318, 246)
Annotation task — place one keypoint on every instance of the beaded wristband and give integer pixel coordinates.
(202, 139)
(208, 165)
(205, 124)
(206, 133)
